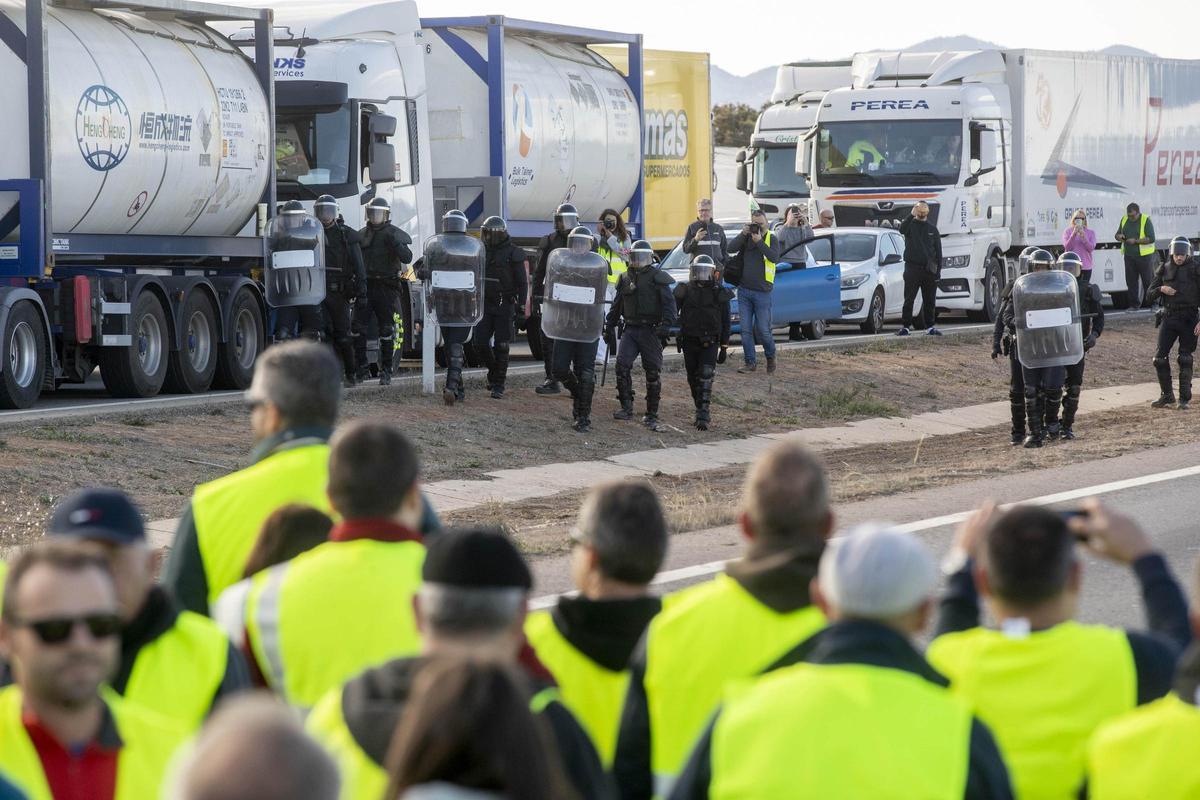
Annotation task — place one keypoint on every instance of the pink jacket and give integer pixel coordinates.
(1083, 243)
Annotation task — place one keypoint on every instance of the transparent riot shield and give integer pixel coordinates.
(455, 264)
(1046, 313)
(295, 271)
(573, 304)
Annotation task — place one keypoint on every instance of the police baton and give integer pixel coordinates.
(604, 371)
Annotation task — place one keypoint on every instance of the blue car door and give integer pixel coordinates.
(804, 295)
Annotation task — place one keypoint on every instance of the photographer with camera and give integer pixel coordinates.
(1042, 681)
(793, 230)
(759, 251)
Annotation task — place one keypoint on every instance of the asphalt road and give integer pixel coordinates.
(1159, 488)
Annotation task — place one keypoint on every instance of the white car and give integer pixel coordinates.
(872, 262)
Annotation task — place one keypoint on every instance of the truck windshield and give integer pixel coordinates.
(775, 173)
(312, 147)
(889, 153)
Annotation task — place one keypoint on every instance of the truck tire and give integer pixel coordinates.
(25, 351)
(813, 330)
(139, 369)
(190, 369)
(237, 354)
(993, 287)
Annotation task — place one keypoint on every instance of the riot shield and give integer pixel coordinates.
(1046, 312)
(455, 264)
(295, 271)
(573, 304)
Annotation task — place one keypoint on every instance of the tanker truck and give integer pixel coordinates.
(135, 181)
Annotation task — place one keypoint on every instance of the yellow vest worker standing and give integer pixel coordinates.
(173, 662)
(61, 735)
(731, 627)
(346, 605)
(1043, 682)
(854, 712)
(586, 641)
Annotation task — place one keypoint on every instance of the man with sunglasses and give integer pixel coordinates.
(174, 662)
(61, 735)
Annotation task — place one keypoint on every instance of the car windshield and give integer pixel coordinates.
(313, 147)
(889, 153)
(849, 248)
(775, 173)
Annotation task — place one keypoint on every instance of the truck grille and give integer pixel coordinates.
(874, 217)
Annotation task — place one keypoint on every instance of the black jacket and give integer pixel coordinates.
(922, 245)
(385, 251)
(1091, 308)
(606, 631)
(547, 244)
(1004, 324)
(859, 642)
(1185, 280)
(703, 311)
(634, 283)
(345, 271)
(754, 256)
(504, 276)
(373, 702)
(713, 244)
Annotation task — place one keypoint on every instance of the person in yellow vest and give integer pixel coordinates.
(293, 402)
(1151, 751)
(586, 641)
(759, 251)
(62, 735)
(314, 622)
(613, 243)
(1135, 232)
(176, 663)
(855, 711)
(472, 604)
(731, 627)
(1042, 681)
(864, 156)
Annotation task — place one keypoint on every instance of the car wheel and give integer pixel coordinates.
(814, 330)
(874, 321)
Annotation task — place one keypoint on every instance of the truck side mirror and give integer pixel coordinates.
(381, 159)
(804, 156)
(740, 157)
(742, 178)
(987, 150)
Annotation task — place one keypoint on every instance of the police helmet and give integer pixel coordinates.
(641, 255)
(1070, 262)
(566, 218)
(379, 211)
(292, 214)
(494, 231)
(1023, 259)
(454, 221)
(1180, 246)
(580, 240)
(1040, 260)
(326, 209)
(703, 270)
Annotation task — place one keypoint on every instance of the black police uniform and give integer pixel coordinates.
(1004, 340)
(1178, 323)
(703, 328)
(546, 245)
(503, 301)
(645, 302)
(345, 282)
(386, 249)
(1091, 310)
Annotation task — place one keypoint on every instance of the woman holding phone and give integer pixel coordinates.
(1081, 239)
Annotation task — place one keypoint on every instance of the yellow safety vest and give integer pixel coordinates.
(704, 637)
(229, 512)
(1149, 753)
(1042, 695)
(178, 674)
(1144, 249)
(148, 744)
(768, 264)
(594, 694)
(616, 267)
(840, 731)
(858, 150)
(316, 621)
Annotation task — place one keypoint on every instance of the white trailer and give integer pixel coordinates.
(1005, 146)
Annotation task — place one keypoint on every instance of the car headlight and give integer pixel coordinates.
(952, 262)
(854, 281)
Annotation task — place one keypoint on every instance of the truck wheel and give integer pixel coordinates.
(874, 321)
(993, 286)
(139, 369)
(190, 369)
(236, 355)
(25, 368)
(814, 330)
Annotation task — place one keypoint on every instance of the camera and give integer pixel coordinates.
(754, 227)
(610, 224)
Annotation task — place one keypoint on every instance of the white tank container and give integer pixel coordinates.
(156, 127)
(572, 127)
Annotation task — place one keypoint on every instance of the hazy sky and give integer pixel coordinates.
(743, 37)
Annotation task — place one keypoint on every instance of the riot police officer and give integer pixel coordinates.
(1004, 340)
(1091, 315)
(453, 266)
(566, 218)
(503, 302)
(345, 278)
(703, 327)
(288, 318)
(573, 318)
(1043, 384)
(645, 303)
(1177, 284)
(386, 250)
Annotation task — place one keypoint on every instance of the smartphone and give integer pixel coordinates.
(1068, 514)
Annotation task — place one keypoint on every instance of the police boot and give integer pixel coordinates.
(704, 396)
(1035, 411)
(385, 361)
(653, 393)
(1070, 406)
(583, 404)
(571, 384)
(501, 355)
(484, 353)
(1162, 366)
(1016, 405)
(624, 393)
(345, 350)
(1185, 380)
(454, 387)
(1053, 401)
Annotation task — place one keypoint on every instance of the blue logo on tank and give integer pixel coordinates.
(103, 128)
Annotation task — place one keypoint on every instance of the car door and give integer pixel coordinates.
(804, 295)
(891, 276)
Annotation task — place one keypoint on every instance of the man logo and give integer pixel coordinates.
(522, 118)
(102, 128)
(885, 205)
